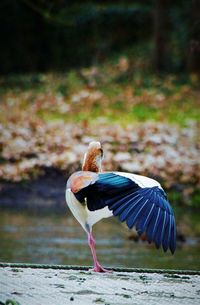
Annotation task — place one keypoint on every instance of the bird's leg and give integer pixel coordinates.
(97, 266)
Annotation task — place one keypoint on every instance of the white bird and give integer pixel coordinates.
(138, 200)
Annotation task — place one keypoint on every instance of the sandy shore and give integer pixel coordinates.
(30, 286)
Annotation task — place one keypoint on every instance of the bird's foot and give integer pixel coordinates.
(99, 268)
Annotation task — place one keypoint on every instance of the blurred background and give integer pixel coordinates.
(126, 73)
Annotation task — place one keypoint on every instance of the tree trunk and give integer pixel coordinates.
(161, 28)
(194, 39)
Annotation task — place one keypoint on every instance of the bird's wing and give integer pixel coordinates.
(145, 208)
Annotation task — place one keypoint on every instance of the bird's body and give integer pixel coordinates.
(138, 200)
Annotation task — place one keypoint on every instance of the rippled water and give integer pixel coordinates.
(57, 239)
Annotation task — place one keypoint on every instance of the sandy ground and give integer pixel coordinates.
(31, 286)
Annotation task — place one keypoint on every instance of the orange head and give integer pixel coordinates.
(93, 158)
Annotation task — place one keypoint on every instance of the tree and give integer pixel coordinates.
(194, 39)
(161, 27)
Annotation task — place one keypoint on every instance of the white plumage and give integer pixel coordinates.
(84, 216)
(142, 181)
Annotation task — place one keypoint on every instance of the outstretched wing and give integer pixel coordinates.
(146, 208)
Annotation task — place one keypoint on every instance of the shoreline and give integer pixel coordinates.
(47, 191)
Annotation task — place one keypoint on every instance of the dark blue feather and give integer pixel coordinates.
(156, 224)
(144, 221)
(165, 241)
(161, 236)
(150, 230)
(168, 231)
(115, 199)
(157, 235)
(131, 220)
(130, 210)
(147, 214)
(123, 201)
(120, 209)
(172, 244)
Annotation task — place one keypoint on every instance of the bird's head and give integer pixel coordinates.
(93, 157)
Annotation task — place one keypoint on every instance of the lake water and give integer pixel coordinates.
(59, 239)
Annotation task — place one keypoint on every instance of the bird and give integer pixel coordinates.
(93, 194)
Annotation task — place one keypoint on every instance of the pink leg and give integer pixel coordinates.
(97, 266)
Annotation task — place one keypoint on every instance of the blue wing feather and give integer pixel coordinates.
(165, 240)
(143, 222)
(129, 206)
(172, 244)
(134, 217)
(157, 234)
(150, 228)
(122, 208)
(122, 196)
(163, 224)
(130, 210)
(123, 201)
(155, 225)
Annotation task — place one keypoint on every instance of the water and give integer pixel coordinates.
(59, 239)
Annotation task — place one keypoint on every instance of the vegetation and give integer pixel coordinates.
(148, 124)
(116, 90)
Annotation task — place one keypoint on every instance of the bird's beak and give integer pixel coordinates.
(102, 154)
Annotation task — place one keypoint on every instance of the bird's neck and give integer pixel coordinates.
(91, 164)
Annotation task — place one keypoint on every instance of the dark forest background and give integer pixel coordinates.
(55, 35)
